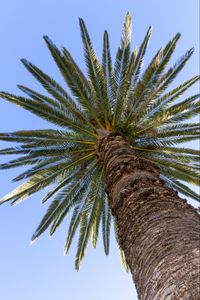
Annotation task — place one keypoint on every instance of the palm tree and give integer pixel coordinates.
(115, 158)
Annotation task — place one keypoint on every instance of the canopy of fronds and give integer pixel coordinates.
(118, 98)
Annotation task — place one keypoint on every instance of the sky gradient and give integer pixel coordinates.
(41, 271)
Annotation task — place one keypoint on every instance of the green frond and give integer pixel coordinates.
(50, 85)
(154, 143)
(121, 65)
(76, 195)
(79, 197)
(96, 225)
(96, 74)
(65, 199)
(179, 115)
(178, 131)
(161, 104)
(149, 78)
(182, 170)
(156, 67)
(184, 110)
(22, 192)
(172, 150)
(47, 164)
(41, 98)
(171, 74)
(108, 72)
(67, 180)
(57, 149)
(77, 213)
(39, 180)
(139, 61)
(167, 53)
(123, 90)
(22, 161)
(74, 223)
(40, 109)
(180, 175)
(52, 164)
(136, 69)
(121, 252)
(70, 108)
(178, 128)
(45, 136)
(47, 219)
(106, 223)
(88, 219)
(83, 240)
(123, 53)
(185, 161)
(74, 78)
(144, 87)
(180, 187)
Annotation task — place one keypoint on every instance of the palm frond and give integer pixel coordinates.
(167, 53)
(74, 78)
(50, 85)
(96, 74)
(121, 252)
(182, 188)
(108, 73)
(137, 67)
(161, 104)
(106, 223)
(40, 109)
(88, 218)
(80, 196)
(171, 74)
(63, 202)
(172, 130)
(183, 171)
(121, 64)
(96, 225)
(70, 108)
(40, 180)
(44, 136)
(139, 58)
(145, 86)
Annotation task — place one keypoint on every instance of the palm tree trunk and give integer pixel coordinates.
(158, 231)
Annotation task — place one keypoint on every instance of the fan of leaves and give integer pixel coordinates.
(115, 98)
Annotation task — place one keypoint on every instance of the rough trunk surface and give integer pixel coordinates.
(158, 231)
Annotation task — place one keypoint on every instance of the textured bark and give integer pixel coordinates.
(158, 231)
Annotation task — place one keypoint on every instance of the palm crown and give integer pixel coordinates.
(111, 100)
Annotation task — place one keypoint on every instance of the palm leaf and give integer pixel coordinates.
(121, 252)
(121, 64)
(178, 186)
(163, 102)
(95, 73)
(40, 180)
(62, 203)
(87, 219)
(171, 74)
(45, 112)
(50, 85)
(108, 73)
(137, 68)
(106, 222)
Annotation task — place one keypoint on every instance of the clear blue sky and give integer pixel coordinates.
(41, 271)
